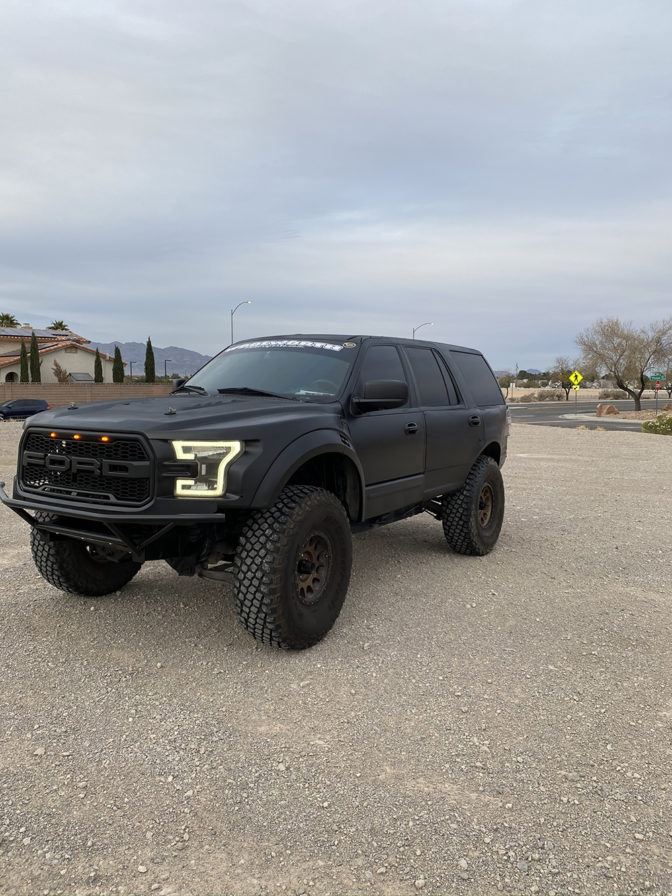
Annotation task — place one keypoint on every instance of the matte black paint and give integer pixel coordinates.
(383, 464)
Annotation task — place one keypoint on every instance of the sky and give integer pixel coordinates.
(498, 168)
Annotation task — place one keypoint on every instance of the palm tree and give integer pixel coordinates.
(58, 325)
(8, 320)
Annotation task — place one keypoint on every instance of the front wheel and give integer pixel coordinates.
(472, 518)
(78, 567)
(292, 568)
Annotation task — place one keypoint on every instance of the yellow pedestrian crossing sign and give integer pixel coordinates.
(576, 378)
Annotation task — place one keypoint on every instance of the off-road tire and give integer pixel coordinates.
(472, 518)
(80, 568)
(292, 568)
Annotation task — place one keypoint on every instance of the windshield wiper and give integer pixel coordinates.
(187, 387)
(246, 390)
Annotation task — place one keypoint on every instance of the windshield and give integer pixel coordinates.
(311, 370)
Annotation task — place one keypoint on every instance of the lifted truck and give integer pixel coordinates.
(261, 465)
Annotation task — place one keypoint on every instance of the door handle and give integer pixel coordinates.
(474, 420)
(411, 428)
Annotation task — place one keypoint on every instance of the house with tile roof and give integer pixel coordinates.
(72, 352)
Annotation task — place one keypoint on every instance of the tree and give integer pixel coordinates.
(150, 372)
(97, 368)
(8, 320)
(626, 352)
(58, 325)
(35, 375)
(118, 366)
(60, 373)
(24, 376)
(504, 382)
(562, 370)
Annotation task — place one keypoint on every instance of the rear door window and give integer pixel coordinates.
(434, 390)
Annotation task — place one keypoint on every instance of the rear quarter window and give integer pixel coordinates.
(478, 376)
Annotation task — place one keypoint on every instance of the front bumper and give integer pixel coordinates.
(130, 530)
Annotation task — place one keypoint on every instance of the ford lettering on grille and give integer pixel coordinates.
(115, 472)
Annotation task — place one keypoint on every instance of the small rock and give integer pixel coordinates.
(142, 869)
(419, 884)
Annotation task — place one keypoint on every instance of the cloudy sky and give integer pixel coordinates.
(499, 167)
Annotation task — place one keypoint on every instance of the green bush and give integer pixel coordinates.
(661, 426)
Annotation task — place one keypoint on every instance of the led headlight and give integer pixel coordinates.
(213, 459)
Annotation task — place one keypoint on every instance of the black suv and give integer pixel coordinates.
(260, 467)
(20, 408)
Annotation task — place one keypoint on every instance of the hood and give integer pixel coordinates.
(188, 414)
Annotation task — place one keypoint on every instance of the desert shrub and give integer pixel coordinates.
(527, 396)
(662, 425)
(613, 394)
(550, 395)
(60, 373)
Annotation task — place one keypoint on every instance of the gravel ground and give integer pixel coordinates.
(470, 724)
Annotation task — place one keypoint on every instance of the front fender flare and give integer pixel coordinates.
(295, 455)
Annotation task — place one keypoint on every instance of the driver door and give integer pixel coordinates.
(389, 443)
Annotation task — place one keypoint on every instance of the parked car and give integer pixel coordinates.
(20, 408)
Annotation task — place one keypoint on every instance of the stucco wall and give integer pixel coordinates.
(59, 394)
(74, 359)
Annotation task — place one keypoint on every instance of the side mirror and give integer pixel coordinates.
(180, 381)
(379, 395)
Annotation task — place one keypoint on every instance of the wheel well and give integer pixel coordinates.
(338, 475)
(494, 451)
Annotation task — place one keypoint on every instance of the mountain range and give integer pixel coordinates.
(173, 359)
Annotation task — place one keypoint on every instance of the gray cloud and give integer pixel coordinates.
(497, 166)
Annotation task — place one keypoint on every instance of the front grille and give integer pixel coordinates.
(118, 472)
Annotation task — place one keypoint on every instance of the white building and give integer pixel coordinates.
(72, 352)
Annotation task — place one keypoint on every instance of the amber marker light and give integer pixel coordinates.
(76, 437)
(53, 435)
(104, 438)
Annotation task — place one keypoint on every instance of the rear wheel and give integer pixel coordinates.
(472, 518)
(79, 567)
(292, 568)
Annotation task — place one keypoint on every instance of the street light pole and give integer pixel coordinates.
(131, 375)
(233, 311)
(165, 362)
(430, 323)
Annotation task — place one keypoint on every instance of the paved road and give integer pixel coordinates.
(581, 413)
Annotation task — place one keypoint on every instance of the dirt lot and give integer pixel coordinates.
(470, 725)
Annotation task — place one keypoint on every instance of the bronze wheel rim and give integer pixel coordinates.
(486, 501)
(312, 569)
